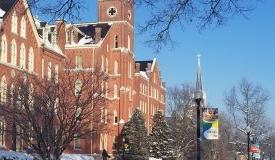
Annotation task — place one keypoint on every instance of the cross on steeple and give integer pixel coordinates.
(112, 11)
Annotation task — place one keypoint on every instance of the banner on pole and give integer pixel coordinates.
(210, 123)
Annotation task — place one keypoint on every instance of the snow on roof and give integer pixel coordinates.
(36, 21)
(86, 40)
(143, 74)
(52, 47)
(2, 12)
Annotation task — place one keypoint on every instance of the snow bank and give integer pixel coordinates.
(76, 157)
(14, 155)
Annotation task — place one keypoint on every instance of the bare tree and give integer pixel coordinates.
(181, 121)
(48, 114)
(177, 14)
(164, 16)
(246, 106)
(58, 9)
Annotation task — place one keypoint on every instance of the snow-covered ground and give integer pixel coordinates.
(76, 157)
(22, 156)
(14, 155)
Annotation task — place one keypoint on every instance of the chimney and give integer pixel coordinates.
(97, 34)
(137, 67)
(149, 65)
(60, 34)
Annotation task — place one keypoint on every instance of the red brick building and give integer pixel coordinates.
(41, 49)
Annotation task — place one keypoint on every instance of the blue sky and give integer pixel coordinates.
(242, 48)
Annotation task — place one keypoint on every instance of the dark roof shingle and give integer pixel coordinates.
(89, 30)
(144, 64)
(6, 5)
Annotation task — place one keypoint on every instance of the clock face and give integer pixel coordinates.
(112, 11)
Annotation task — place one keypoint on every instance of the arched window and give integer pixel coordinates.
(3, 90)
(115, 117)
(42, 68)
(49, 70)
(102, 63)
(116, 41)
(107, 65)
(129, 70)
(4, 49)
(22, 56)
(129, 43)
(31, 98)
(103, 141)
(13, 52)
(105, 115)
(31, 60)
(12, 94)
(116, 68)
(23, 28)
(2, 132)
(115, 91)
(78, 87)
(77, 142)
(56, 73)
(14, 23)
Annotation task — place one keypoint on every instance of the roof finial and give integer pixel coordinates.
(199, 59)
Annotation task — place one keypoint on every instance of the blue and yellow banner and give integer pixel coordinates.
(210, 123)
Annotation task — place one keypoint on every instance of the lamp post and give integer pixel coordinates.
(198, 99)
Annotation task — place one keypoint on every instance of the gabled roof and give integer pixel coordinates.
(6, 5)
(144, 64)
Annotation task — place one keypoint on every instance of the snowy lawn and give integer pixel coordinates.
(10, 155)
(76, 157)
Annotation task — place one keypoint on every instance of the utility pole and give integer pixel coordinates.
(199, 100)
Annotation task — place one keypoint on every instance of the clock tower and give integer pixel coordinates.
(116, 10)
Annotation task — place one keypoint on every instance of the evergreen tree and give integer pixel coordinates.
(134, 134)
(160, 138)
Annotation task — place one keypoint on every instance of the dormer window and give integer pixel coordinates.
(69, 37)
(112, 11)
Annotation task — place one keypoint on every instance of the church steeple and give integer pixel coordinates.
(199, 79)
(199, 93)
